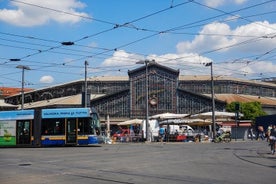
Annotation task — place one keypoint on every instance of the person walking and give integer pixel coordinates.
(268, 133)
(161, 133)
(272, 139)
(251, 134)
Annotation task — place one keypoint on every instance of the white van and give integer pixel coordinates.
(153, 130)
(154, 126)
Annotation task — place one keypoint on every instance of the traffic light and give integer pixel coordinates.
(237, 107)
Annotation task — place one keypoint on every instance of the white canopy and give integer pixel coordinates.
(218, 114)
(131, 122)
(187, 121)
(167, 115)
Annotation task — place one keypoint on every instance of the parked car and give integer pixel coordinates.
(121, 134)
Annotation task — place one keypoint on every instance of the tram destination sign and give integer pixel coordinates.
(65, 113)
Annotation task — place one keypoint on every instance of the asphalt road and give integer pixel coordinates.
(197, 163)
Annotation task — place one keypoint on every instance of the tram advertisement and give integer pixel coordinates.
(7, 133)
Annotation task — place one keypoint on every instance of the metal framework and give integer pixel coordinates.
(162, 85)
(125, 98)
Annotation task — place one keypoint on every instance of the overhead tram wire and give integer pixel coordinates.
(142, 29)
(197, 21)
(203, 53)
(158, 32)
(158, 12)
(85, 37)
(129, 43)
(41, 45)
(229, 13)
(198, 25)
(28, 37)
(211, 18)
(58, 46)
(63, 12)
(138, 19)
(111, 23)
(39, 51)
(102, 21)
(214, 50)
(245, 61)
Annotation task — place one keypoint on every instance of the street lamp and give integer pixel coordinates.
(213, 99)
(22, 82)
(147, 62)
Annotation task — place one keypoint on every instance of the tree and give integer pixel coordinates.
(250, 110)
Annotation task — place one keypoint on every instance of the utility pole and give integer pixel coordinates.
(85, 84)
(213, 100)
(22, 83)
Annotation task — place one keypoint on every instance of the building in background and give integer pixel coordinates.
(124, 97)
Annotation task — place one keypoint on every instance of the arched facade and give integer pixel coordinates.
(124, 97)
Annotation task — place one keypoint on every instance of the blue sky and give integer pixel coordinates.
(238, 36)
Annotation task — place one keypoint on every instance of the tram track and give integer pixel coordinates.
(101, 179)
(167, 179)
(260, 158)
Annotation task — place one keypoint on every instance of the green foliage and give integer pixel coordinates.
(250, 110)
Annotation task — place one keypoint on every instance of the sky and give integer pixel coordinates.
(55, 38)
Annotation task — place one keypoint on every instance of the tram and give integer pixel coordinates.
(49, 127)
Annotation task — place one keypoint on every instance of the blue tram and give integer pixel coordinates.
(49, 127)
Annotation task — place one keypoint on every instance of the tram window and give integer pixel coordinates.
(53, 127)
(85, 126)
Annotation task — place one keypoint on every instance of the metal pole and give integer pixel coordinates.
(22, 89)
(147, 101)
(22, 83)
(85, 85)
(147, 62)
(213, 102)
(236, 122)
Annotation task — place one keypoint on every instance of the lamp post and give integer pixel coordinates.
(147, 62)
(213, 99)
(22, 83)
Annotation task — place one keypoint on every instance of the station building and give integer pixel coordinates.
(124, 97)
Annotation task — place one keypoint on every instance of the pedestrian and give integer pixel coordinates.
(260, 132)
(251, 133)
(161, 133)
(272, 139)
(268, 132)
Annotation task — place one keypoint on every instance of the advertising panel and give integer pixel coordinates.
(7, 133)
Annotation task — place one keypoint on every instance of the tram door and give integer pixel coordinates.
(71, 133)
(23, 132)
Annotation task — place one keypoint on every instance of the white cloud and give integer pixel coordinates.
(180, 59)
(184, 61)
(217, 3)
(121, 58)
(190, 61)
(251, 46)
(240, 1)
(253, 69)
(47, 79)
(205, 42)
(31, 15)
(214, 3)
(193, 64)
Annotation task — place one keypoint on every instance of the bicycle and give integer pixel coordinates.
(224, 137)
